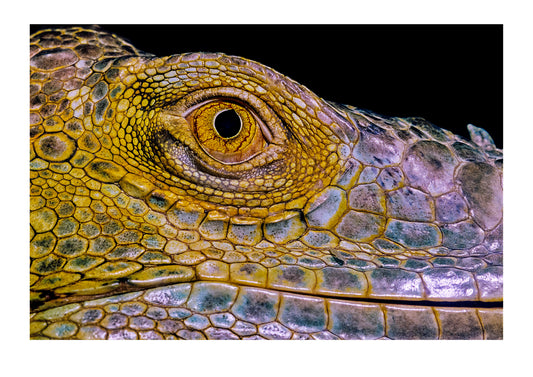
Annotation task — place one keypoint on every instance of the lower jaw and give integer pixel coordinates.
(213, 310)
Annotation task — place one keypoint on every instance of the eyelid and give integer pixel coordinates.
(269, 122)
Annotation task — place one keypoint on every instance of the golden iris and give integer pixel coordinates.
(227, 131)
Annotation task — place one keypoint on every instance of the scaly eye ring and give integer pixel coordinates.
(188, 139)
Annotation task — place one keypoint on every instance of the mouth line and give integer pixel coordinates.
(405, 301)
(421, 303)
(126, 288)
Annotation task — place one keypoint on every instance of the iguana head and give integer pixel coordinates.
(148, 171)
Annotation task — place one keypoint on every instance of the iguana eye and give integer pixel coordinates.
(227, 131)
(221, 132)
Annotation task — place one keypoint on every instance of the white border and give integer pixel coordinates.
(258, 358)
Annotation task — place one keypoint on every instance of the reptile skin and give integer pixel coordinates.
(307, 220)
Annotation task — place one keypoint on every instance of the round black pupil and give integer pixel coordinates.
(227, 123)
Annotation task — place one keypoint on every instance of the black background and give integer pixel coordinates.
(450, 75)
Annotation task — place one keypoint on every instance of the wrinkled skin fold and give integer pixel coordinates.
(291, 218)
